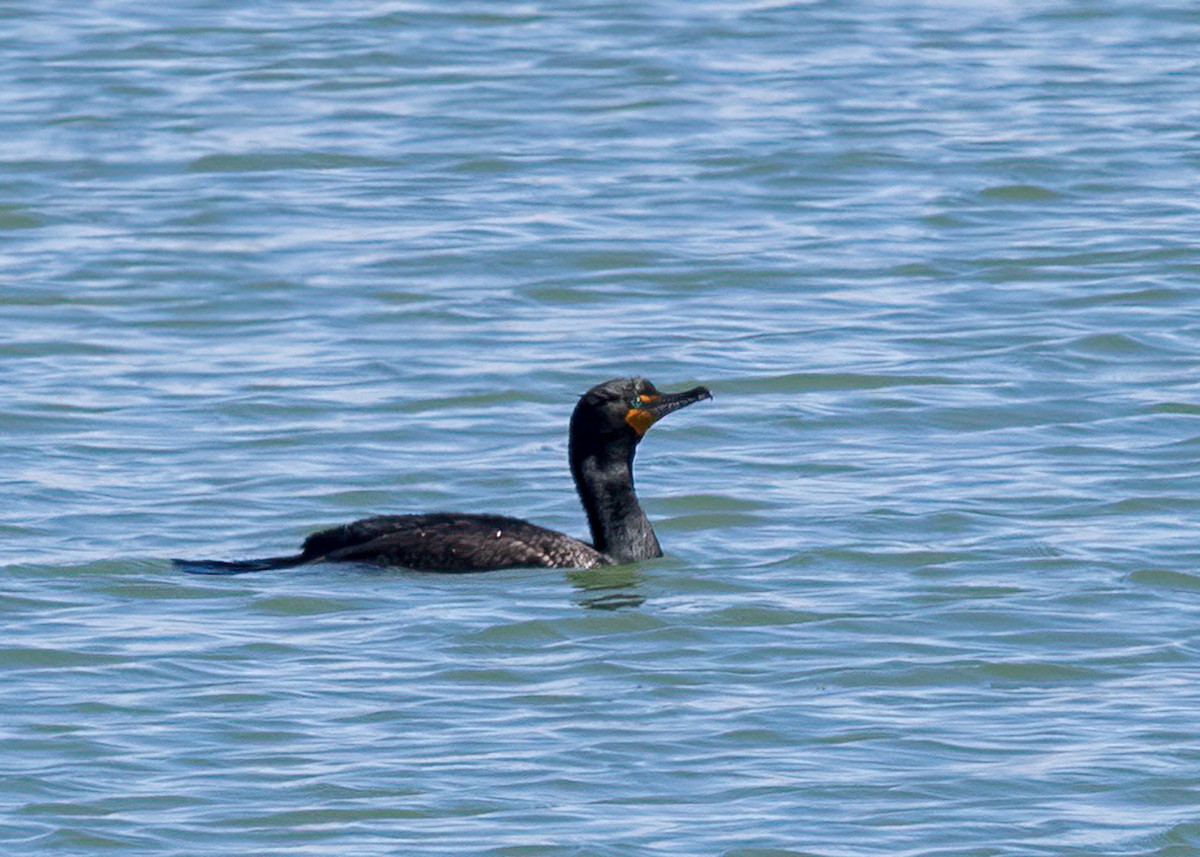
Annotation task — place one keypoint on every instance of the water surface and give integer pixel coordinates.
(932, 580)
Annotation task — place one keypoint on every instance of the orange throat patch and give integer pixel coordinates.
(639, 420)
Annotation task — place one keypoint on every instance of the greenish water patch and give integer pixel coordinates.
(273, 162)
(1137, 297)
(800, 382)
(487, 166)
(752, 617)
(1176, 408)
(710, 521)
(298, 605)
(570, 295)
(12, 217)
(1166, 578)
(18, 657)
(1117, 344)
(1019, 193)
(711, 503)
(469, 401)
(1040, 673)
(520, 632)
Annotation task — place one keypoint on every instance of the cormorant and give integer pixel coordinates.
(608, 423)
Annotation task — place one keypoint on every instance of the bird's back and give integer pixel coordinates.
(451, 542)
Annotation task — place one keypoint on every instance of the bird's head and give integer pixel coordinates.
(625, 408)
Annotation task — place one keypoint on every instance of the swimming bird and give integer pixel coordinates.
(607, 425)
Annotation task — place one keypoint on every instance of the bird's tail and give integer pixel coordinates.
(243, 566)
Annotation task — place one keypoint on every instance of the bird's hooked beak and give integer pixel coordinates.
(653, 407)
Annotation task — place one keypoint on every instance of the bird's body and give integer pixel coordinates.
(453, 542)
(606, 427)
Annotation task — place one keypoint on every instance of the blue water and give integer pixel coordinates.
(932, 583)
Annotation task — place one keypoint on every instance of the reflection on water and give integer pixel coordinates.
(607, 588)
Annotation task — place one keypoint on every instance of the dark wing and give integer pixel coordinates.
(450, 542)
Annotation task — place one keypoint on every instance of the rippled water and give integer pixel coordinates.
(932, 583)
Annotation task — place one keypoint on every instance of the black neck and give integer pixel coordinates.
(604, 478)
